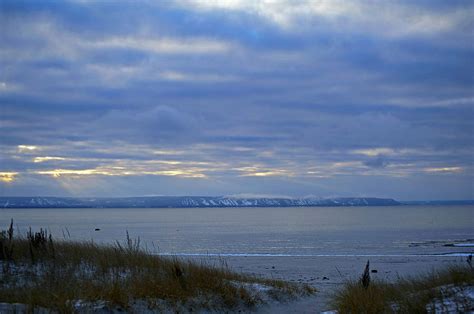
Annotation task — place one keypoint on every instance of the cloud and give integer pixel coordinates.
(26, 148)
(120, 171)
(253, 171)
(155, 125)
(163, 45)
(228, 97)
(181, 76)
(377, 162)
(392, 19)
(7, 177)
(6, 87)
(444, 170)
(456, 101)
(373, 152)
(47, 158)
(83, 172)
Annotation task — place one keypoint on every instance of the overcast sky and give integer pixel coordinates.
(286, 98)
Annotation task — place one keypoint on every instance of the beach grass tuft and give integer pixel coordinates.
(438, 291)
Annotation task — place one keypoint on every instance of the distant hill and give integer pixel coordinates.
(450, 202)
(186, 201)
(205, 201)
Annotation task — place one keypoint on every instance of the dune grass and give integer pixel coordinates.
(41, 272)
(441, 290)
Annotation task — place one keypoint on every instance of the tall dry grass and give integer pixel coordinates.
(41, 272)
(444, 288)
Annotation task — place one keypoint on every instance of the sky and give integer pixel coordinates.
(231, 97)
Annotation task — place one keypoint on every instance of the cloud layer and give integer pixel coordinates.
(318, 98)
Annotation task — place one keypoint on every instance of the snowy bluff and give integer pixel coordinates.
(186, 202)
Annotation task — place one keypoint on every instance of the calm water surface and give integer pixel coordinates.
(402, 230)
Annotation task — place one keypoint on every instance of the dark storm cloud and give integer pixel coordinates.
(291, 99)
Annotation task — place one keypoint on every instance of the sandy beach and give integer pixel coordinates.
(327, 274)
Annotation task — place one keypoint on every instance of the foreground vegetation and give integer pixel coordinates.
(67, 276)
(444, 291)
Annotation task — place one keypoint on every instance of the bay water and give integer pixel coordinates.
(292, 231)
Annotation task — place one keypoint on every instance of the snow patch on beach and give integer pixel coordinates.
(455, 300)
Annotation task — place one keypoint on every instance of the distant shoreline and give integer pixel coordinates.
(209, 202)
